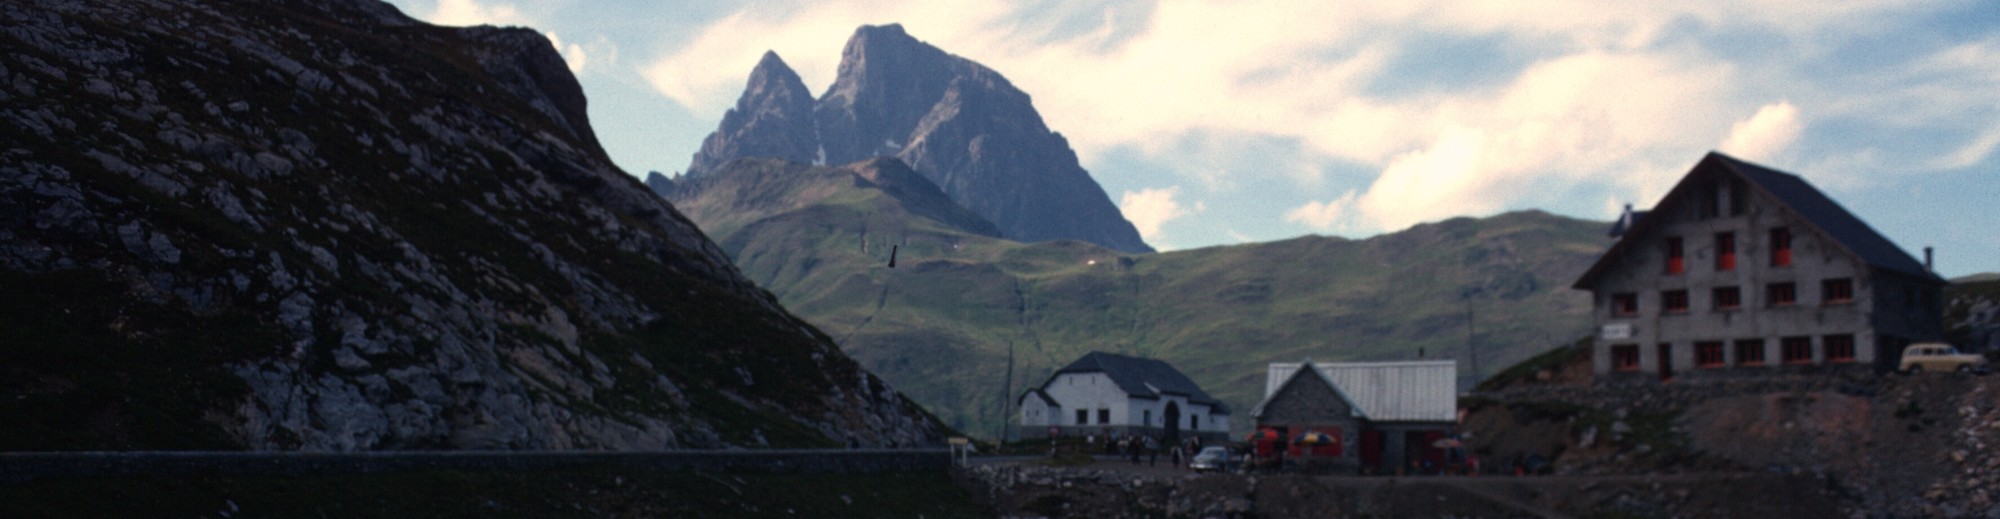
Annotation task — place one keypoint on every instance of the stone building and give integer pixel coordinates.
(1384, 414)
(1742, 270)
(1104, 393)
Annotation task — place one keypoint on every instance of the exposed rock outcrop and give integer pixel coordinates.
(773, 119)
(320, 225)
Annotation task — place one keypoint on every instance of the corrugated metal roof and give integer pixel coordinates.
(1419, 391)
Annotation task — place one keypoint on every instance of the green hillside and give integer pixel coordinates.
(965, 321)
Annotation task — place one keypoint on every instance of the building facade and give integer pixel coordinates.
(1387, 416)
(1105, 393)
(1741, 270)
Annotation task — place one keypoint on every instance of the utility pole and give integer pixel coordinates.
(1007, 396)
(1471, 353)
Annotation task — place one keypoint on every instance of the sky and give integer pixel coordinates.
(1213, 123)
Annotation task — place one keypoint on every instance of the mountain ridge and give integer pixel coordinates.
(945, 322)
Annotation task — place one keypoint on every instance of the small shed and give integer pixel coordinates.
(1386, 416)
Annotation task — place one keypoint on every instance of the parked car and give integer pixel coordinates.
(1938, 356)
(1211, 458)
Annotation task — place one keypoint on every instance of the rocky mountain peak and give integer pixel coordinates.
(773, 118)
(960, 124)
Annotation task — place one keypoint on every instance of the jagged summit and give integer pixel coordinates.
(773, 118)
(959, 123)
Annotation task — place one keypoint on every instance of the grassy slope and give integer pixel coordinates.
(942, 325)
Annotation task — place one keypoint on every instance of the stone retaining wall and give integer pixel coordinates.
(18, 467)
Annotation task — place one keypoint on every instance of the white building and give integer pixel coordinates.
(1104, 392)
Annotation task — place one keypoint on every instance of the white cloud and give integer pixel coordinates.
(579, 56)
(1972, 153)
(1149, 208)
(1764, 135)
(574, 54)
(472, 12)
(1322, 216)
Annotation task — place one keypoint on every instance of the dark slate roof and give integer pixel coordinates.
(1830, 217)
(1792, 192)
(1132, 374)
(1038, 393)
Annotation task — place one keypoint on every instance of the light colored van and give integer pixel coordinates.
(1938, 356)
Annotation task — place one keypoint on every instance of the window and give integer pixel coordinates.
(1625, 305)
(1839, 348)
(1707, 207)
(1797, 349)
(1676, 255)
(1725, 251)
(1709, 354)
(1103, 416)
(1781, 294)
(1749, 352)
(1739, 196)
(1674, 301)
(1836, 290)
(1728, 298)
(1082, 416)
(1625, 357)
(1194, 422)
(1149, 418)
(1781, 247)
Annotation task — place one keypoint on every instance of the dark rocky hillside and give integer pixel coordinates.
(321, 225)
(966, 321)
(1972, 313)
(959, 123)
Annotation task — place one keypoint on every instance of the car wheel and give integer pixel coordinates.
(1913, 369)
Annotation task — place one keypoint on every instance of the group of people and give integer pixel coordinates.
(1148, 448)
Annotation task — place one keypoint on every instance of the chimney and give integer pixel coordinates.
(1927, 260)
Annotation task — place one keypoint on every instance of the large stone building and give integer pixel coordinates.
(1104, 393)
(1742, 270)
(1385, 415)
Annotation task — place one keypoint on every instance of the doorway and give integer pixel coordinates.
(1666, 362)
(1173, 422)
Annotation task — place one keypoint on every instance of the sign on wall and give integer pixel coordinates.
(1615, 331)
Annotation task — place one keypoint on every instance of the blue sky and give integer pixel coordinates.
(1226, 122)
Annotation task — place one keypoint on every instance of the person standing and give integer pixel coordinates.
(1152, 452)
(1177, 456)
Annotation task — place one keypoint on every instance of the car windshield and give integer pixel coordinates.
(1213, 451)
